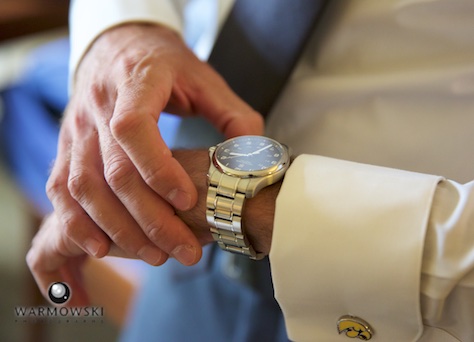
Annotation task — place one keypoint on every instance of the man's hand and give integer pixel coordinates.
(115, 182)
(54, 256)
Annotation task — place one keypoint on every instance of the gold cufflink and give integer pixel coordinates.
(354, 327)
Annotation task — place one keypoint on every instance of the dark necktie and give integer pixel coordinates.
(256, 52)
(259, 46)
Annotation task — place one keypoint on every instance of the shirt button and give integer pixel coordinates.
(354, 327)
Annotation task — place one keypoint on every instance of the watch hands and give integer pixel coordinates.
(260, 150)
(235, 154)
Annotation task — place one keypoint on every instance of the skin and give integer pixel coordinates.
(115, 185)
(54, 256)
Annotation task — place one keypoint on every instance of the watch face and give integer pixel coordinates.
(250, 154)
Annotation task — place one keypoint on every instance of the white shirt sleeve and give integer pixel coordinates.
(90, 18)
(349, 239)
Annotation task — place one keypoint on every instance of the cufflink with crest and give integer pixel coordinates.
(354, 327)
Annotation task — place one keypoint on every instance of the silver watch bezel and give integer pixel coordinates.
(281, 165)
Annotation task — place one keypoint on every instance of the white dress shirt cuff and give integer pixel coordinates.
(348, 239)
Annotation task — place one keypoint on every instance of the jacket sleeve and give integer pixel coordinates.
(89, 18)
(383, 245)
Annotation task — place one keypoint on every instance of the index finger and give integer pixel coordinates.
(134, 126)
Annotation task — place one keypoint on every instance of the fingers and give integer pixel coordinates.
(53, 257)
(149, 212)
(131, 201)
(88, 187)
(84, 232)
(99, 196)
(134, 217)
(154, 215)
(212, 98)
(134, 126)
(178, 81)
(76, 185)
(115, 181)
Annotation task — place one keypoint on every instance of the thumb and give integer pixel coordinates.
(237, 123)
(213, 98)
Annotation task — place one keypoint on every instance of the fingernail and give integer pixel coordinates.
(185, 254)
(180, 199)
(151, 255)
(92, 246)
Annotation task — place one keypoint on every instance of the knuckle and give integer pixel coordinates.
(157, 169)
(155, 231)
(80, 185)
(125, 123)
(153, 175)
(97, 93)
(118, 173)
(136, 67)
(127, 63)
(54, 186)
(71, 224)
(164, 227)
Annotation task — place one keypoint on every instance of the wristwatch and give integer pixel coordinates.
(239, 168)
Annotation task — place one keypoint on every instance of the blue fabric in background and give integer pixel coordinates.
(30, 124)
(207, 302)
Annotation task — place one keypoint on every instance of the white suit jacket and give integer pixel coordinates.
(375, 218)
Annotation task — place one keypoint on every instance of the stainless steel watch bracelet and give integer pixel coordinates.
(224, 214)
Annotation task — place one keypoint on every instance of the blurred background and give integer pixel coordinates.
(26, 26)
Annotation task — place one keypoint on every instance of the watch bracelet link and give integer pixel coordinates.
(224, 215)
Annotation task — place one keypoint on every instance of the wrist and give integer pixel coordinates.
(259, 216)
(196, 164)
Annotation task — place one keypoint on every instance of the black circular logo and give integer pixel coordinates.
(59, 293)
